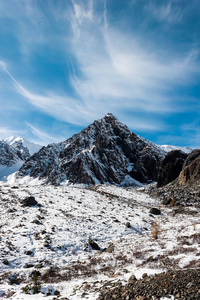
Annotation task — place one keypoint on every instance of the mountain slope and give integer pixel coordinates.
(105, 152)
(22, 144)
(13, 153)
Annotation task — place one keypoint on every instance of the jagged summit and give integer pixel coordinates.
(104, 152)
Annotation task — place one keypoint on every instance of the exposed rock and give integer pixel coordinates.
(13, 152)
(28, 265)
(5, 262)
(170, 167)
(28, 252)
(182, 284)
(132, 279)
(185, 189)
(192, 156)
(190, 174)
(105, 152)
(128, 224)
(29, 201)
(13, 279)
(155, 211)
(93, 245)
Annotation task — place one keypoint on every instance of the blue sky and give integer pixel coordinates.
(65, 63)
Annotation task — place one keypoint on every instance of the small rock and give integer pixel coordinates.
(94, 245)
(132, 279)
(144, 275)
(28, 252)
(13, 279)
(128, 225)
(37, 222)
(56, 293)
(155, 211)
(27, 265)
(5, 262)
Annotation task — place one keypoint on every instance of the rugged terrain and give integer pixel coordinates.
(184, 190)
(13, 153)
(52, 236)
(105, 152)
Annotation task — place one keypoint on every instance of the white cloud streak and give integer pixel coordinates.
(41, 135)
(117, 74)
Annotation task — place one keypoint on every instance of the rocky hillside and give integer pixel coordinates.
(185, 188)
(105, 152)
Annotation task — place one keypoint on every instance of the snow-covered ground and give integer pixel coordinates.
(53, 238)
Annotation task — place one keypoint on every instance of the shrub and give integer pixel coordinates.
(155, 230)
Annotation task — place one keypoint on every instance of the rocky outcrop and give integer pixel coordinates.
(185, 189)
(105, 152)
(182, 284)
(171, 167)
(190, 175)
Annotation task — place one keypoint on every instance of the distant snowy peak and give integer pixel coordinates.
(104, 152)
(16, 142)
(169, 148)
(14, 151)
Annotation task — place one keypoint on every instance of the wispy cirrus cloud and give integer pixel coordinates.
(42, 136)
(82, 60)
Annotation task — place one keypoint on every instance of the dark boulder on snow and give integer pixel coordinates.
(29, 201)
(155, 211)
(170, 167)
(93, 245)
(104, 152)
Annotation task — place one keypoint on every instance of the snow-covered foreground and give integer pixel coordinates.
(52, 238)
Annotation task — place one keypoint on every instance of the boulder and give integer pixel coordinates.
(171, 167)
(155, 211)
(93, 245)
(29, 201)
(132, 279)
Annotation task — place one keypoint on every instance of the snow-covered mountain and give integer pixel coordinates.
(169, 148)
(22, 144)
(14, 151)
(105, 152)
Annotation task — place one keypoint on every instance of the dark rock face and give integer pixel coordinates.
(105, 152)
(8, 156)
(171, 167)
(192, 156)
(190, 174)
(185, 189)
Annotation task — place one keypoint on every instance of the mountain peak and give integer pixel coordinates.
(104, 152)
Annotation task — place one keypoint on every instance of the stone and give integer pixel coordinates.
(93, 245)
(132, 279)
(155, 211)
(27, 266)
(29, 201)
(28, 252)
(128, 224)
(5, 262)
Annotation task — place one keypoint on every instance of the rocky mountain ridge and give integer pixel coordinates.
(104, 152)
(14, 151)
